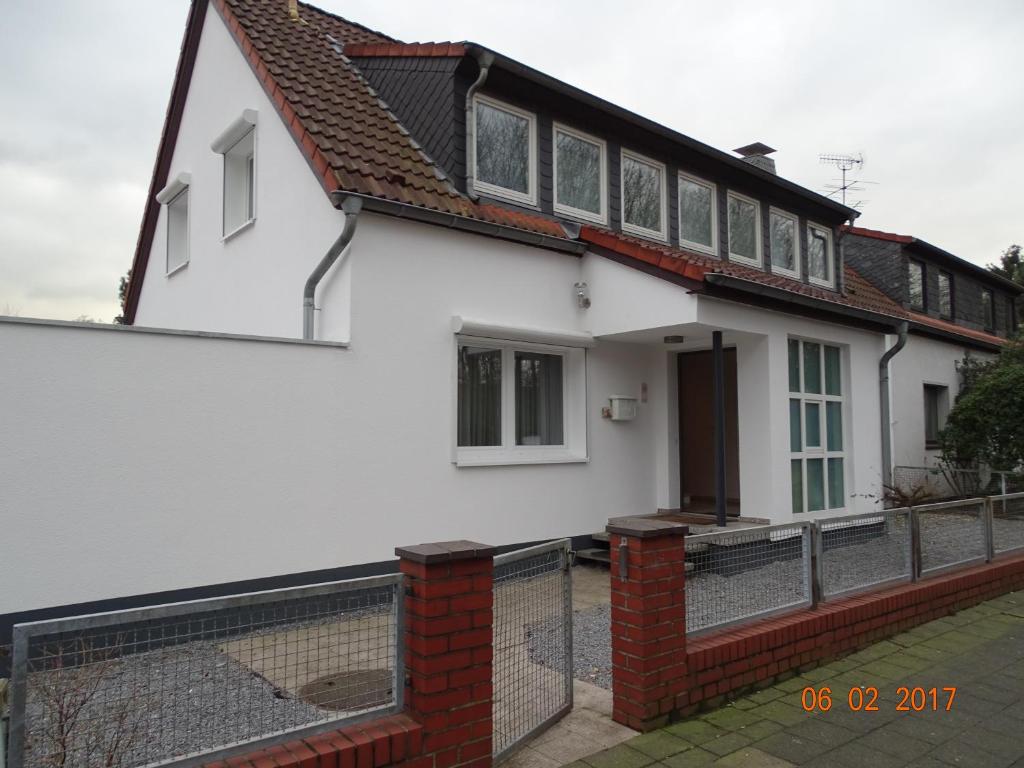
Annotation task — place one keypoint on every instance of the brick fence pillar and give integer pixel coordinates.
(449, 649)
(648, 620)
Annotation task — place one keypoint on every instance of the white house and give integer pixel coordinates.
(515, 297)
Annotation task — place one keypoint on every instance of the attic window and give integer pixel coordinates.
(744, 229)
(238, 146)
(505, 151)
(175, 199)
(783, 242)
(819, 256)
(643, 196)
(697, 215)
(580, 175)
(916, 282)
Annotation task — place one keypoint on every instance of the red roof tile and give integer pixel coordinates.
(878, 234)
(945, 325)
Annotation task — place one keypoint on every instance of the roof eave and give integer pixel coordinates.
(981, 272)
(570, 91)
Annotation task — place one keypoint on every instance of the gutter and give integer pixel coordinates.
(351, 207)
(883, 391)
(463, 223)
(484, 59)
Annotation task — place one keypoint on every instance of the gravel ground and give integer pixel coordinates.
(1007, 532)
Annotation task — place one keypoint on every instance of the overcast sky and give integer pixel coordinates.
(932, 94)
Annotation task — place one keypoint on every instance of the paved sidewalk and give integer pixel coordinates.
(979, 650)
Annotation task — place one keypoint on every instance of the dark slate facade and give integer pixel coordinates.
(885, 263)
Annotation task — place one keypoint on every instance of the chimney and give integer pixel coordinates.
(293, 10)
(757, 154)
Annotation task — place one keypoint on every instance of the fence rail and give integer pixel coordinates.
(952, 534)
(736, 576)
(939, 482)
(169, 684)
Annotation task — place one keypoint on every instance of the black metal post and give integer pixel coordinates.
(719, 386)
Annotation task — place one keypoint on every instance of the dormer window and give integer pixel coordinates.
(945, 295)
(238, 146)
(698, 222)
(819, 256)
(580, 175)
(643, 196)
(784, 245)
(988, 309)
(744, 229)
(916, 285)
(504, 151)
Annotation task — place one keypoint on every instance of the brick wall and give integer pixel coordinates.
(657, 677)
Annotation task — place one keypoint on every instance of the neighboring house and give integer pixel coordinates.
(526, 275)
(955, 308)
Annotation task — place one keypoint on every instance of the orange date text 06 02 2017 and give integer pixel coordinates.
(865, 699)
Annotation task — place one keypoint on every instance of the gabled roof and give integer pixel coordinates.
(354, 144)
(939, 254)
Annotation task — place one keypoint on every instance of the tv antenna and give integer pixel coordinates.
(845, 163)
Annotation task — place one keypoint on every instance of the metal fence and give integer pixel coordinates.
(533, 667)
(739, 575)
(858, 552)
(951, 535)
(168, 684)
(1007, 523)
(923, 483)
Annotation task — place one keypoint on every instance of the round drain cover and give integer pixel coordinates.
(358, 689)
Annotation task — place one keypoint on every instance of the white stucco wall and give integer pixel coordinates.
(922, 361)
(253, 282)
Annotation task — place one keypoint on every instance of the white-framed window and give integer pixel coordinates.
(581, 175)
(504, 150)
(817, 441)
(175, 200)
(644, 207)
(237, 144)
(936, 409)
(784, 243)
(819, 256)
(744, 229)
(519, 402)
(698, 214)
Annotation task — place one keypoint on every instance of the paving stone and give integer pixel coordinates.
(905, 747)
(621, 756)
(1002, 744)
(995, 693)
(695, 731)
(659, 744)
(760, 729)
(751, 757)
(933, 731)
(730, 718)
(690, 759)
(770, 694)
(859, 755)
(795, 749)
(956, 752)
(884, 669)
(907, 661)
(823, 732)
(725, 744)
(794, 684)
(743, 704)
(781, 713)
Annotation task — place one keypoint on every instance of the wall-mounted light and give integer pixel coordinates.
(582, 295)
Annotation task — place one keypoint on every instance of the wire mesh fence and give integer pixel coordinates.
(858, 552)
(916, 484)
(167, 684)
(739, 575)
(1007, 523)
(532, 641)
(951, 534)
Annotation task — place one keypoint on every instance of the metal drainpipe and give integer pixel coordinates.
(484, 59)
(883, 386)
(351, 206)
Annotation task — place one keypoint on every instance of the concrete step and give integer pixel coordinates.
(595, 555)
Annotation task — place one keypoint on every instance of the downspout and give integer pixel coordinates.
(351, 206)
(484, 59)
(883, 386)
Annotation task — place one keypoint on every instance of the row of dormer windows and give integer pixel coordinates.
(505, 166)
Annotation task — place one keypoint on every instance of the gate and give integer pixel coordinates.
(533, 668)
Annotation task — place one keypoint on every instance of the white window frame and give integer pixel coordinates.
(821, 451)
(568, 210)
(758, 234)
(574, 397)
(776, 269)
(633, 229)
(830, 261)
(493, 190)
(711, 250)
(166, 197)
(239, 130)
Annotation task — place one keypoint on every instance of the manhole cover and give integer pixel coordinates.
(359, 689)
